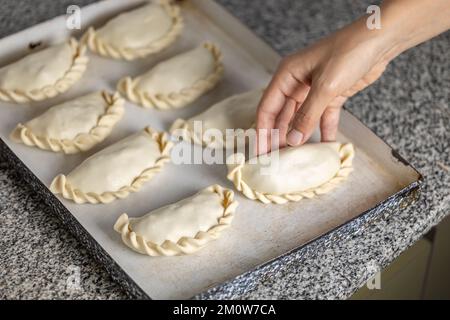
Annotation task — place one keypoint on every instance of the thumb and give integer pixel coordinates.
(309, 114)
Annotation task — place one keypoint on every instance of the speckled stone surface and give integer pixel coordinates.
(408, 107)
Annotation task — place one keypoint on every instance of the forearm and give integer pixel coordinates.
(311, 85)
(407, 23)
(404, 24)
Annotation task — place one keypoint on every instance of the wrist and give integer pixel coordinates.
(388, 41)
(381, 44)
(396, 28)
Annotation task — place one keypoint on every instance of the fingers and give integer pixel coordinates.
(284, 119)
(278, 104)
(269, 107)
(329, 124)
(271, 104)
(274, 97)
(309, 114)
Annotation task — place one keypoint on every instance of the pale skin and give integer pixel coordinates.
(310, 86)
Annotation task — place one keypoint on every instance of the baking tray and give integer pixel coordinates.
(261, 235)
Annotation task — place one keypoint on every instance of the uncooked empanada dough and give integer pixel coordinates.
(182, 227)
(137, 33)
(73, 126)
(235, 112)
(117, 170)
(43, 74)
(298, 172)
(176, 82)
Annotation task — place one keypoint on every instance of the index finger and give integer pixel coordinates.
(270, 106)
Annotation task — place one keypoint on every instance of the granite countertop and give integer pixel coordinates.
(408, 107)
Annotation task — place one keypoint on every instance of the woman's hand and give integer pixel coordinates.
(311, 86)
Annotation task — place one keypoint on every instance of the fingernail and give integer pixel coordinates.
(294, 138)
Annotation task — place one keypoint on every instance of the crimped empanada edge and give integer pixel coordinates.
(185, 245)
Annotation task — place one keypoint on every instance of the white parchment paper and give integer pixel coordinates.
(259, 232)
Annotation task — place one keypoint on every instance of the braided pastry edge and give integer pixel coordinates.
(346, 153)
(76, 71)
(185, 245)
(83, 141)
(60, 185)
(128, 87)
(97, 45)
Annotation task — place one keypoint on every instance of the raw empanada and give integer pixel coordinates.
(73, 126)
(176, 82)
(235, 112)
(117, 170)
(301, 172)
(137, 33)
(180, 228)
(43, 74)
